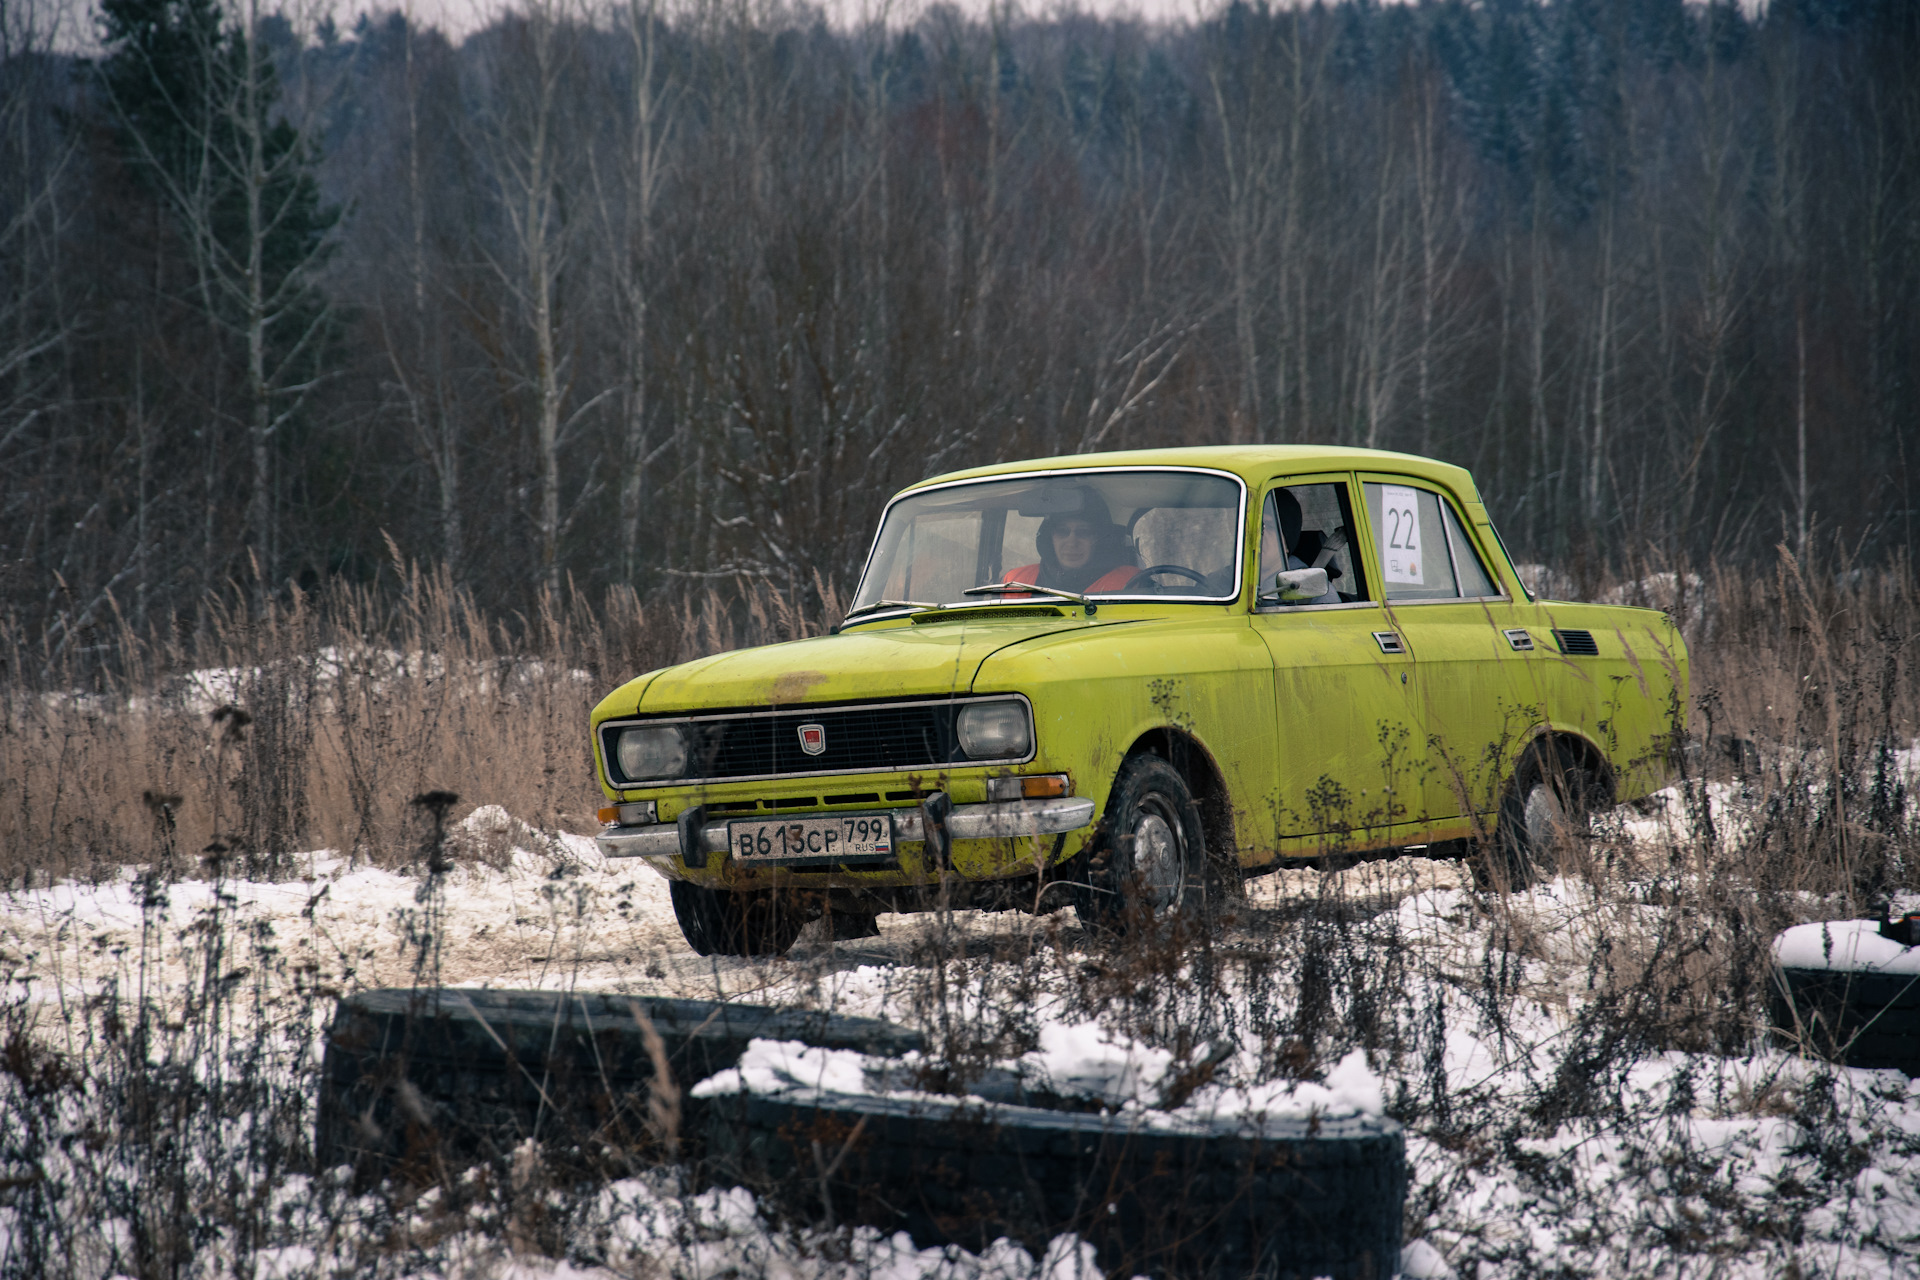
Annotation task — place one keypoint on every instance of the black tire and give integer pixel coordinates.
(1548, 806)
(719, 922)
(1861, 1018)
(1149, 860)
(423, 1083)
(1297, 1198)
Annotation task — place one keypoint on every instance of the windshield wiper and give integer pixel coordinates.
(893, 604)
(1001, 588)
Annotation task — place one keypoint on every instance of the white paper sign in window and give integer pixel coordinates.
(1399, 534)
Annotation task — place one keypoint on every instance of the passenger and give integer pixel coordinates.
(1083, 551)
(1284, 520)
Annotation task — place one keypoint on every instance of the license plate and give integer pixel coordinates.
(826, 839)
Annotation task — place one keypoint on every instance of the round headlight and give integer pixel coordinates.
(994, 730)
(651, 751)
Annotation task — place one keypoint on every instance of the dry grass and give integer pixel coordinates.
(303, 721)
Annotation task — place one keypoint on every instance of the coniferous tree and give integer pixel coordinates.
(196, 99)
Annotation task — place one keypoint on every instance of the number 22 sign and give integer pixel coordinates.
(1399, 533)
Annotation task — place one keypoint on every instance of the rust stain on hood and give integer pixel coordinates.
(793, 686)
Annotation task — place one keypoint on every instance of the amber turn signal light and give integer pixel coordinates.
(634, 813)
(1039, 786)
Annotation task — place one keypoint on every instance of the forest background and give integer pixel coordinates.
(665, 293)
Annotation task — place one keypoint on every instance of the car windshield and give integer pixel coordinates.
(1134, 532)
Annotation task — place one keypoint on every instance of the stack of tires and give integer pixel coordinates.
(420, 1081)
(1849, 990)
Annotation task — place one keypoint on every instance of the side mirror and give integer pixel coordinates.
(1296, 586)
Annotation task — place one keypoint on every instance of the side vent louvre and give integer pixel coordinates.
(1577, 643)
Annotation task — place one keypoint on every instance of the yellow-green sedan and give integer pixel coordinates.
(1123, 680)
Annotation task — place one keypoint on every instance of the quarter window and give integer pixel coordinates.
(1475, 581)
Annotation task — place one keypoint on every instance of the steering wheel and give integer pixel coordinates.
(1199, 579)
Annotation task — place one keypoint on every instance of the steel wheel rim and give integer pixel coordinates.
(1159, 852)
(1544, 819)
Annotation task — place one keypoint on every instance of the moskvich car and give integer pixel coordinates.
(1120, 680)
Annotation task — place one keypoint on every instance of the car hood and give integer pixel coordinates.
(933, 658)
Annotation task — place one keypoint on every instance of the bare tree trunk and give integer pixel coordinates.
(1237, 160)
(1540, 488)
(261, 511)
(536, 232)
(1441, 240)
(143, 532)
(1380, 364)
(433, 427)
(1602, 357)
(1247, 150)
(880, 339)
(522, 152)
(647, 132)
(984, 264)
(1802, 500)
(1303, 84)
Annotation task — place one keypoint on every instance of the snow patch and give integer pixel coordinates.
(488, 819)
(1853, 946)
(1081, 1059)
(1421, 1261)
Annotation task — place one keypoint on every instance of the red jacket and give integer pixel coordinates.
(1112, 580)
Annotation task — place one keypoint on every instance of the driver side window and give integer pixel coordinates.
(1310, 526)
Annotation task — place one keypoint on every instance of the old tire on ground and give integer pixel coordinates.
(720, 922)
(1853, 996)
(1150, 859)
(421, 1082)
(1296, 1198)
(1548, 804)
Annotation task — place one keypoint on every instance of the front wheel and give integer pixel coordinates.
(719, 922)
(1151, 858)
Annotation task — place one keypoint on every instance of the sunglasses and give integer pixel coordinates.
(1074, 529)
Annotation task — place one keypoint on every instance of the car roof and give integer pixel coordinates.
(1255, 463)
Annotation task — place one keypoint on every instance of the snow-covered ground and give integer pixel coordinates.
(1540, 1142)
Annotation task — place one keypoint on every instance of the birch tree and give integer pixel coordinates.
(628, 216)
(526, 143)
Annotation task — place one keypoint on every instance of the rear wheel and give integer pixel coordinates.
(1548, 808)
(719, 922)
(1151, 861)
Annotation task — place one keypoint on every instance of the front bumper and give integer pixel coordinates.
(1001, 821)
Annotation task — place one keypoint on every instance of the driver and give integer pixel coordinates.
(1083, 550)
